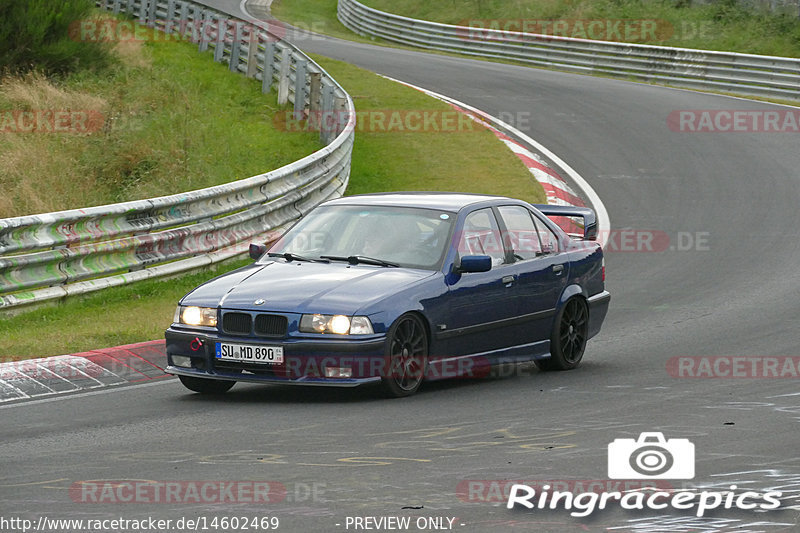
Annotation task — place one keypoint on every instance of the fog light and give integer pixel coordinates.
(182, 361)
(338, 372)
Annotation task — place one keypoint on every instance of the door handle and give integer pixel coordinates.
(508, 280)
(558, 269)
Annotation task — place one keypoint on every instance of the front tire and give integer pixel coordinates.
(206, 386)
(407, 356)
(568, 340)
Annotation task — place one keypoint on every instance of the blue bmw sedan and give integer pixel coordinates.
(397, 288)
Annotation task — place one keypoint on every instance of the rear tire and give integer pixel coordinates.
(206, 386)
(568, 340)
(407, 356)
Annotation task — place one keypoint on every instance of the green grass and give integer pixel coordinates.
(36, 34)
(170, 120)
(472, 160)
(721, 25)
(120, 315)
(464, 159)
(318, 16)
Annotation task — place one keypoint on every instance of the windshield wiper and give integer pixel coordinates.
(356, 259)
(294, 257)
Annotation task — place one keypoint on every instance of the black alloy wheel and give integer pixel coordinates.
(570, 333)
(407, 356)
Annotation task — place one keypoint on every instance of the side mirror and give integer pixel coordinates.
(256, 251)
(475, 263)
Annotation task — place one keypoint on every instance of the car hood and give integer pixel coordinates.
(301, 287)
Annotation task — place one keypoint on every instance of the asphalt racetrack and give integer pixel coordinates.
(696, 320)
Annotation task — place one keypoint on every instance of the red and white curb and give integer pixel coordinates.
(63, 374)
(558, 191)
(555, 187)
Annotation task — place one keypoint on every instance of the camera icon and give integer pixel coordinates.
(651, 457)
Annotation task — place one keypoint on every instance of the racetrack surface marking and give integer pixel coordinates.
(129, 364)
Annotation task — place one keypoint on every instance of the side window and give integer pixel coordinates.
(521, 236)
(548, 239)
(481, 236)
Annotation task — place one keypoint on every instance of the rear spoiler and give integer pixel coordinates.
(588, 215)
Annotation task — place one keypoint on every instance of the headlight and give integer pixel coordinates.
(338, 324)
(196, 316)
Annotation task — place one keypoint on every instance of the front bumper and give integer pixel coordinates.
(305, 360)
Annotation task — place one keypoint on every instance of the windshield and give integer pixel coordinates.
(399, 236)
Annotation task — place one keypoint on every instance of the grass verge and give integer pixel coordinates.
(111, 317)
(317, 16)
(388, 157)
(723, 25)
(164, 120)
(462, 160)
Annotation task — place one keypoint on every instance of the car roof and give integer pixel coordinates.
(445, 201)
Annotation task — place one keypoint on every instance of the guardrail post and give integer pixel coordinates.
(299, 88)
(183, 24)
(203, 31)
(151, 13)
(283, 77)
(116, 7)
(129, 5)
(268, 67)
(340, 110)
(314, 100)
(168, 21)
(236, 43)
(252, 51)
(327, 120)
(143, 12)
(219, 46)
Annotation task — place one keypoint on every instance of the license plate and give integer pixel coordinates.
(268, 355)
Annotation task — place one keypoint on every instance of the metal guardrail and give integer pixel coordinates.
(53, 255)
(749, 74)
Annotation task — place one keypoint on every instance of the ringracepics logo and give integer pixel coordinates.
(650, 457)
